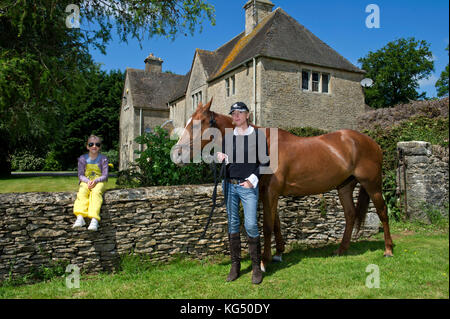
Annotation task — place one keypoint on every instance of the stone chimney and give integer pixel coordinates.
(153, 64)
(255, 12)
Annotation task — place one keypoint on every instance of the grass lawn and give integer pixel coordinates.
(419, 269)
(20, 184)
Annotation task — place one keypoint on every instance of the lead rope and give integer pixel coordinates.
(222, 174)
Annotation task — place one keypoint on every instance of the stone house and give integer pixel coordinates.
(285, 74)
(144, 104)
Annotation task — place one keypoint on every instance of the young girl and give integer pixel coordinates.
(92, 173)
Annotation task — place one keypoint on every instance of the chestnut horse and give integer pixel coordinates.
(307, 166)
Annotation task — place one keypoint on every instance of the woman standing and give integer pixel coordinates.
(243, 175)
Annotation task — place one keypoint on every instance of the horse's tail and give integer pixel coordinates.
(361, 208)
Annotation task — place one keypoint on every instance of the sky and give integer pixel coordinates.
(340, 24)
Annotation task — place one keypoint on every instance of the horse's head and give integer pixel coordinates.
(191, 138)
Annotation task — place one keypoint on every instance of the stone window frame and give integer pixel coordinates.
(230, 86)
(311, 83)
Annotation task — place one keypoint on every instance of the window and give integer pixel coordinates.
(196, 98)
(230, 86)
(305, 80)
(126, 105)
(315, 82)
(325, 81)
(233, 86)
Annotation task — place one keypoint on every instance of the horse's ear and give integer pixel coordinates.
(207, 106)
(199, 105)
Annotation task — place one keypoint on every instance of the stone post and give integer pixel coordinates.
(422, 179)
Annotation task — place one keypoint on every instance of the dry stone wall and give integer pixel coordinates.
(36, 228)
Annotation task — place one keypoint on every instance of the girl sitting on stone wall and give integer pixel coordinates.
(92, 173)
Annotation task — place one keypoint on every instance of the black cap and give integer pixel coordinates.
(239, 106)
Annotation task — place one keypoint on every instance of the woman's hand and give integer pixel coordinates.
(246, 184)
(221, 156)
(91, 184)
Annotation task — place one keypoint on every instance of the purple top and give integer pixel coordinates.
(101, 161)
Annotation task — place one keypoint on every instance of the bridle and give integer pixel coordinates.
(212, 123)
(212, 120)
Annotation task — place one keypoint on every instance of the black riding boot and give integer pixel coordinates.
(235, 252)
(254, 248)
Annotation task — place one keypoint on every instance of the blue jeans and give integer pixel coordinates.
(249, 199)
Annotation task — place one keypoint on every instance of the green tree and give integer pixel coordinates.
(396, 70)
(93, 109)
(41, 58)
(154, 166)
(142, 18)
(38, 59)
(442, 83)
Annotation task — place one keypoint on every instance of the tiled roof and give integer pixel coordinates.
(280, 36)
(152, 90)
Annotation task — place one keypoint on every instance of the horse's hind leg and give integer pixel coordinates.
(346, 199)
(278, 238)
(376, 195)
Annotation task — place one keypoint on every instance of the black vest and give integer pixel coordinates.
(243, 156)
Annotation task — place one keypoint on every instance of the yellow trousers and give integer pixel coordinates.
(89, 201)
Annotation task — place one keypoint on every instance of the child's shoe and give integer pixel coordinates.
(79, 222)
(93, 225)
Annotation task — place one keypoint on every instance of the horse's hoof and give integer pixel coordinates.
(263, 268)
(277, 258)
(388, 255)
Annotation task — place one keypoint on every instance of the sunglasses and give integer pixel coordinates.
(96, 144)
